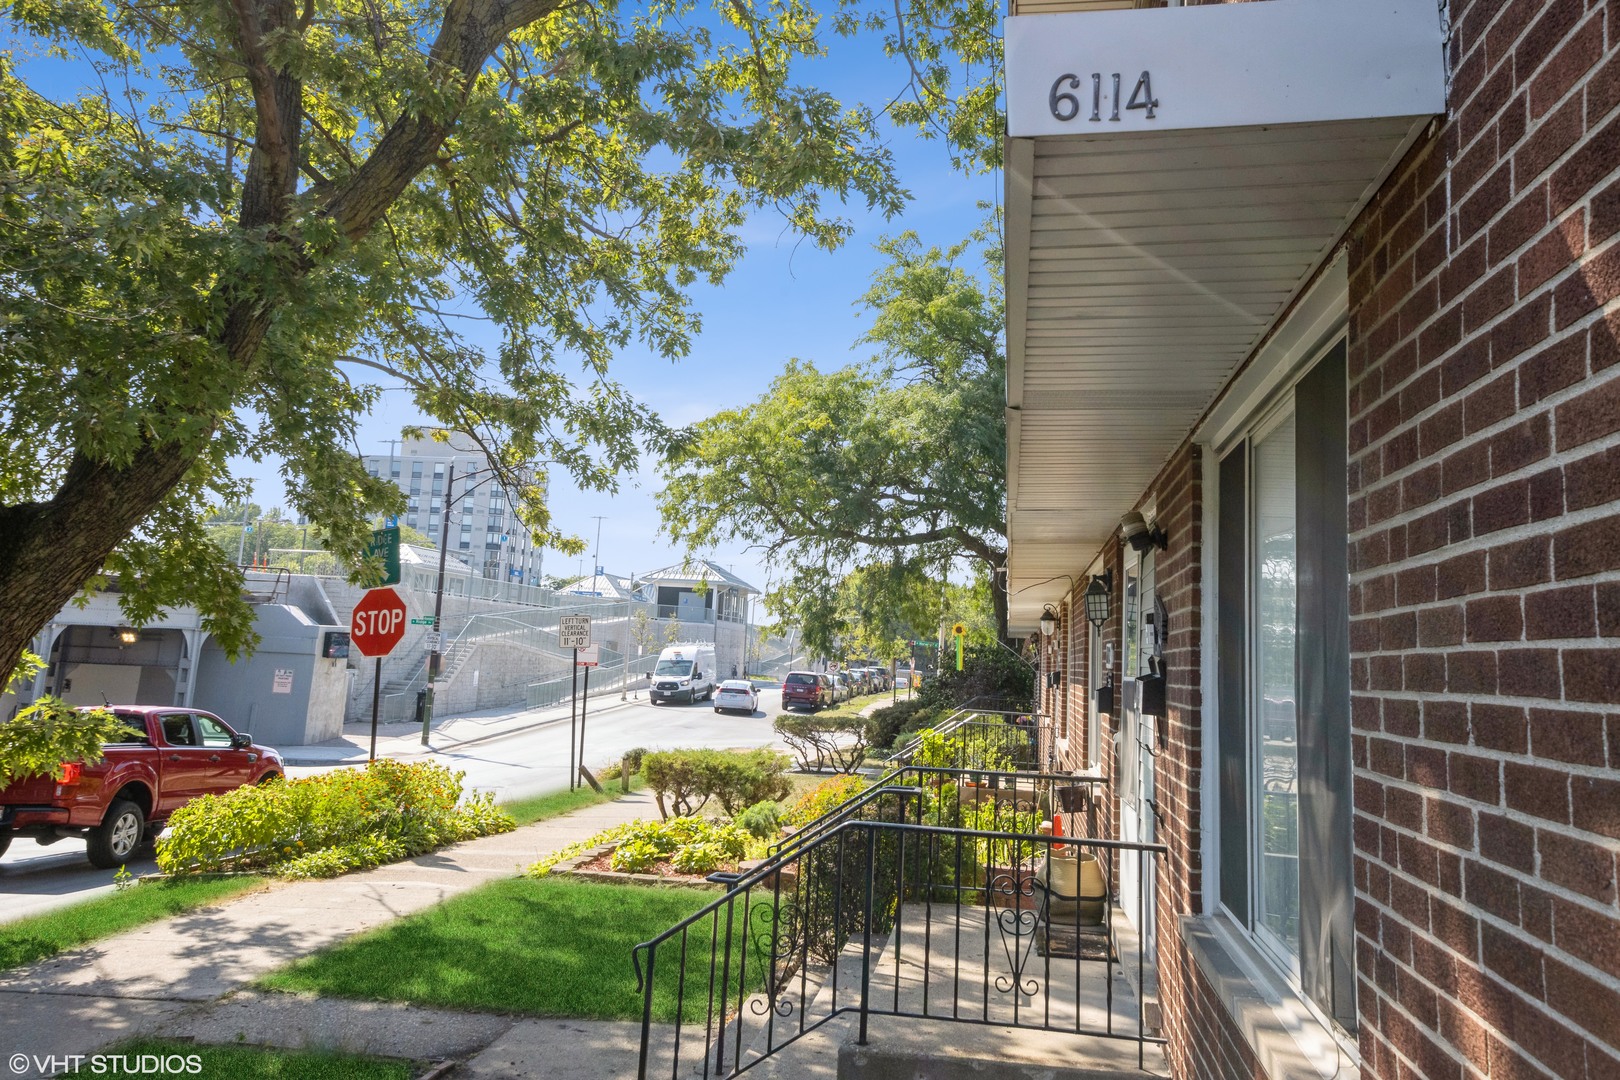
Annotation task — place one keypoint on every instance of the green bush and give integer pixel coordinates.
(824, 798)
(819, 742)
(691, 845)
(325, 825)
(683, 781)
(991, 677)
(890, 721)
(762, 820)
(630, 761)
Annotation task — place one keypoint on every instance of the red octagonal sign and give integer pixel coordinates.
(378, 622)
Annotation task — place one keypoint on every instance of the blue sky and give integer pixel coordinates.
(785, 299)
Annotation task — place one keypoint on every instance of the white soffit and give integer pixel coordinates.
(1146, 259)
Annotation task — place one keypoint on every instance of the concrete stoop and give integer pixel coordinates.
(908, 1048)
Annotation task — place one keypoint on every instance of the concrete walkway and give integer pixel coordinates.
(151, 979)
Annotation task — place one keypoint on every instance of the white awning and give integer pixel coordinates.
(1148, 257)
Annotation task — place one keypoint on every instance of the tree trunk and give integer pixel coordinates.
(998, 598)
(49, 550)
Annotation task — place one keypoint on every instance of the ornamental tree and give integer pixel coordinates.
(900, 460)
(257, 208)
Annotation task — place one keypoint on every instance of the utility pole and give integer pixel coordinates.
(596, 556)
(435, 657)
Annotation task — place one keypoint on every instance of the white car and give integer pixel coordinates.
(736, 695)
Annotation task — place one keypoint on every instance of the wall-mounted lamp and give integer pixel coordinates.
(126, 636)
(1049, 622)
(1100, 598)
(1134, 530)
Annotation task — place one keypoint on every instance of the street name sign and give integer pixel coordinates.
(385, 545)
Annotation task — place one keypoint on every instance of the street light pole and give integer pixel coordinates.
(435, 657)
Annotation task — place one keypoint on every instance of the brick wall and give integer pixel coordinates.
(1485, 558)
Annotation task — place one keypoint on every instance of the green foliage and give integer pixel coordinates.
(991, 677)
(683, 781)
(612, 834)
(49, 732)
(690, 845)
(286, 215)
(866, 481)
(328, 824)
(821, 742)
(889, 721)
(824, 798)
(985, 743)
(763, 820)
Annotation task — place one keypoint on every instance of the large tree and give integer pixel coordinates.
(901, 458)
(260, 205)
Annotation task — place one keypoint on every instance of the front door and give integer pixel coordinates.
(1135, 746)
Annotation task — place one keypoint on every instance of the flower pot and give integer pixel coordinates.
(1075, 878)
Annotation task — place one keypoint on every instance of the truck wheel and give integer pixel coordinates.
(111, 843)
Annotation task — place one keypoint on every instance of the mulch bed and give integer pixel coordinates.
(663, 869)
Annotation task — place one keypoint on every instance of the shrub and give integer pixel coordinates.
(683, 781)
(889, 721)
(762, 820)
(824, 798)
(630, 761)
(838, 741)
(327, 824)
(991, 676)
(691, 845)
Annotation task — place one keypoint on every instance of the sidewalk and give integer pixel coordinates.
(151, 978)
(404, 739)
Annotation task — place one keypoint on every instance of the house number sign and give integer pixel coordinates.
(1065, 98)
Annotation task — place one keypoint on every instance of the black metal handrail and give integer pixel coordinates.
(737, 975)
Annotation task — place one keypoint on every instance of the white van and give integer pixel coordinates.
(686, 672)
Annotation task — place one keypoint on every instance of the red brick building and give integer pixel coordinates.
(1332, 306)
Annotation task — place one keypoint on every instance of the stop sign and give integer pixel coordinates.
(378, 622)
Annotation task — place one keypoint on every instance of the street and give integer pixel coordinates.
(516, 765)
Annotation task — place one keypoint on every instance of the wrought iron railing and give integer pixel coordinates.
(931, 897)
(989, 738)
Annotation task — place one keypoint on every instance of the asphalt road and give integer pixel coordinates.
(514, 766)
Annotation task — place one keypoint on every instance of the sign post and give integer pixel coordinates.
(574, 632)
(375, 628)
(587, 658)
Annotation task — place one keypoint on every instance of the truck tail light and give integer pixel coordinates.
(69, 772)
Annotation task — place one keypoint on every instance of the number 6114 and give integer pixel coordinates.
(1067, 106)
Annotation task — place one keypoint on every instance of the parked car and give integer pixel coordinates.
(881, 675)
(736, 695)
(845, 687)
(860, 681)
(168, 757)
(805, 690)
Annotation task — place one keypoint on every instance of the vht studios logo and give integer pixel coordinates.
(105, 1064)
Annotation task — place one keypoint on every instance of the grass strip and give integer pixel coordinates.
(244, 1063)
(541, 807)
(543, 948)
(38, 937)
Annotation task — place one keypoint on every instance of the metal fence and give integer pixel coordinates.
(934, 895)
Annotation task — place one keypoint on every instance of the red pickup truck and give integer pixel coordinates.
(170, 757)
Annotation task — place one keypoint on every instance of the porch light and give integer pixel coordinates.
(1100, 598)
(1049, 622)
(1134, 530)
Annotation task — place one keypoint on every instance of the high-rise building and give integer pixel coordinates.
(483, 525)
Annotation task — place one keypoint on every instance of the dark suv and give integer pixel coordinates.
(805, 690)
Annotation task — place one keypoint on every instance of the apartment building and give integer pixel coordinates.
(483, 527)
(1314, 508)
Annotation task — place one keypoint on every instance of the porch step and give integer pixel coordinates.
(905, 1049)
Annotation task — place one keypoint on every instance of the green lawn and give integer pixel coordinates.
(528, 811)
(251, 1063)
(37, 937)
(545, 948)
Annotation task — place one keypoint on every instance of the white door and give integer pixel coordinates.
(1135, 743)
